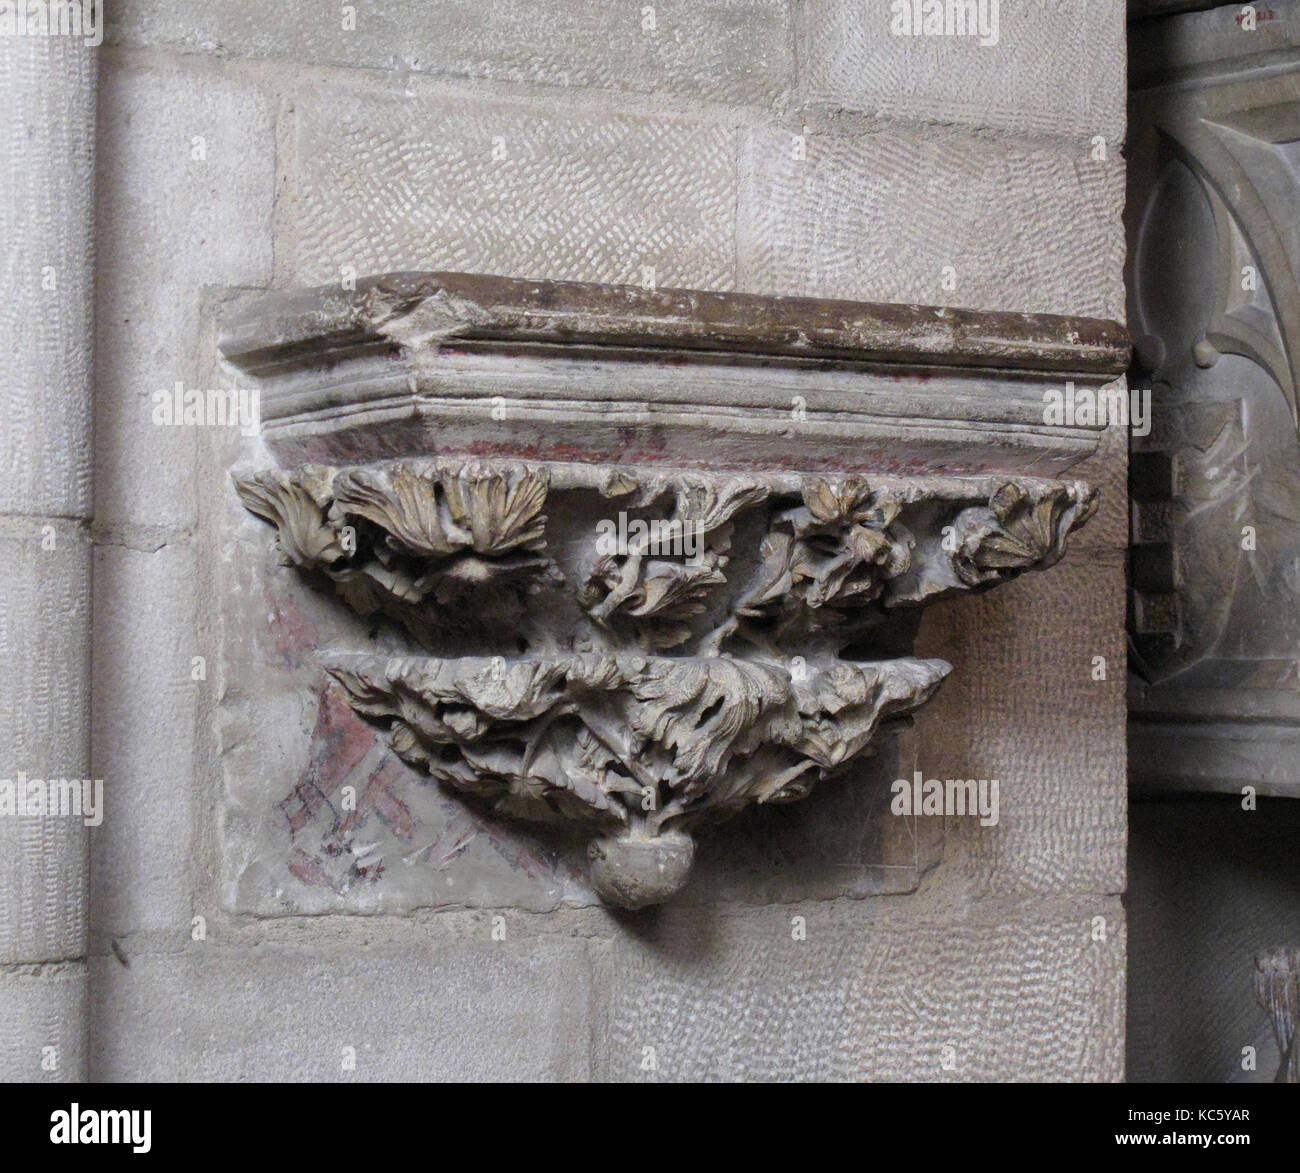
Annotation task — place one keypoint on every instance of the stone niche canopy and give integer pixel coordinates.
(646, 558)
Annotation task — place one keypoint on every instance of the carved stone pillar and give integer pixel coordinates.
(1214, 306)
(628, 561)
(47, 90)
(1215, 312)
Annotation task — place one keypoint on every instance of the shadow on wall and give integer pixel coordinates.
(1210, 887)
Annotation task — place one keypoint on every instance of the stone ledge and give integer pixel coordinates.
(276, 331)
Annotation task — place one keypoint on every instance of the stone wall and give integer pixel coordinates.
(759, 145)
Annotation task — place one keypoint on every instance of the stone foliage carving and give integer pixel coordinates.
(1016, 530)
(1277, 987)
(415, 542)
(602, 738)
(549, 693)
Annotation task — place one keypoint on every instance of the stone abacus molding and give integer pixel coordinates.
(656, 555)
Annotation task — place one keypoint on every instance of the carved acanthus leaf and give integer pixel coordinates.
(837, 550)
(666, 572)
(698, 709)
(403, 501)
(500, 506)
(412, 540)
(712, 504)
(435, 510)
(1018, 530)
(591, 736)
(296, 503)
(843, 705)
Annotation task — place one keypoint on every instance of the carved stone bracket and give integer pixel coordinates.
(757, 585)
(641, 638)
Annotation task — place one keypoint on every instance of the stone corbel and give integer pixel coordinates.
(642, 581)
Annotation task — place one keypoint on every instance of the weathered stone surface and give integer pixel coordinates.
(1023, 706)
(455, 1010)
(725, 50)
(878, 216)
(407, 364)
(170, 223)
(47, 164)
(275, 842)
(143, 852)
(45, 712)
(425, 313)
(842, 840)
(880, 990)
(636, 871)
(43, 1023)
(47, 159)
(1213, 41)
(392, 181)
(513, 527)
(423, 846)
(1054, 69)
(288, 745)
(1107, 470)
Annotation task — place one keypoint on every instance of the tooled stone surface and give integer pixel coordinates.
(549, 693)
